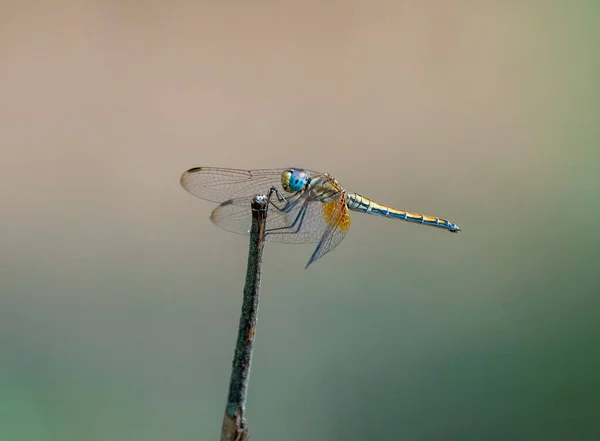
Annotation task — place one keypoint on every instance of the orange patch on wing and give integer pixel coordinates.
(342, 216)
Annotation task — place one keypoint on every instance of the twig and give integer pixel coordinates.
(234, 423)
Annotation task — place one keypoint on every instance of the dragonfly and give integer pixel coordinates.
(304, 206)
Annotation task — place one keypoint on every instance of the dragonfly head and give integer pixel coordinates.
(294, 179)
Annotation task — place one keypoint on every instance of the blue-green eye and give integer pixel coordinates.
(294, 180)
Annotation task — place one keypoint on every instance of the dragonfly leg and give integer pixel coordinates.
(290, 202)
(298, 220)
(280, 197)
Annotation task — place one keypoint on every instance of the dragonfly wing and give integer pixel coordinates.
(337, 220)
(222, 184)
(301, 222)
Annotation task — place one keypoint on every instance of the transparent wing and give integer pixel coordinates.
(222, 184)
(338, 222)
(302, 222)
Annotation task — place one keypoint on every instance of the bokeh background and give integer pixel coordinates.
(119, 300)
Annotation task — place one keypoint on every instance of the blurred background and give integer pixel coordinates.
(119, 300)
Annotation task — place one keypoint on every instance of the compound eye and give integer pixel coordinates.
(294, 180)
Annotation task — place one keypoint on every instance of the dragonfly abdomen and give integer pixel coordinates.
(360, 203)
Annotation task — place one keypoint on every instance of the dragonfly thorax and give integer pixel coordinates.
(293, 180)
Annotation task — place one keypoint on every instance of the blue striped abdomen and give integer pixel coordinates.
(360, 203)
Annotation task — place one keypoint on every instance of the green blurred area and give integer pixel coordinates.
(120, 300)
